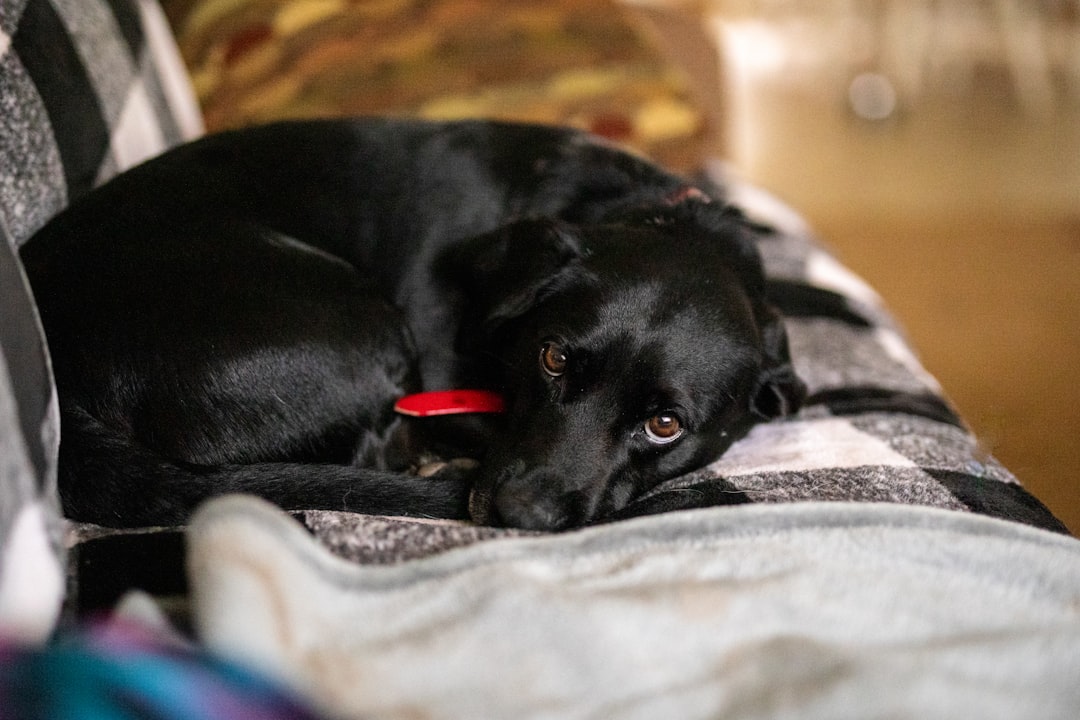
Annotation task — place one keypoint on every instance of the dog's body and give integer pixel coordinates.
(241, 314)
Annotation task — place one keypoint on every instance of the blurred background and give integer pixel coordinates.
(936, 147)
(933, 144)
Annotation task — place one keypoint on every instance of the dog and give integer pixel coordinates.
(243, 312)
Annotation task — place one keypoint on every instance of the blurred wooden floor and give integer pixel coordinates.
(965, 215)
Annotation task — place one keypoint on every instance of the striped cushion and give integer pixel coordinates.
(87, 88)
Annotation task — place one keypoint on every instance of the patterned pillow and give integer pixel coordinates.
(87, 88)
(586, 63)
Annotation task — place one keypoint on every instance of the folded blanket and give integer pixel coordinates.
(810, 610)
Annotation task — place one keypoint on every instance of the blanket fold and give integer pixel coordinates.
(808, 610)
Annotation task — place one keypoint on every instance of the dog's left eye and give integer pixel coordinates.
(553, 359)
(663, 429)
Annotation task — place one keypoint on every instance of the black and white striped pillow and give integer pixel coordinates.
(87, 88)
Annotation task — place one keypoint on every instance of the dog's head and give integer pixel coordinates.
(628, 352)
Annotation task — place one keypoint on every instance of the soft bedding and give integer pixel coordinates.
(815, 610)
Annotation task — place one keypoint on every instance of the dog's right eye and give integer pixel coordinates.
(553, 359)
(663, 429)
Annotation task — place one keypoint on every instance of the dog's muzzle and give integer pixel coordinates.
(528, 501)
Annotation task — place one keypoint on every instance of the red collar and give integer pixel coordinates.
(449, 402)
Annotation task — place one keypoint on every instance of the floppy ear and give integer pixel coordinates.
(778, 391)
(506, 272)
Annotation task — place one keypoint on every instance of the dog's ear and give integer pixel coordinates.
(505, 273)
(778, 390)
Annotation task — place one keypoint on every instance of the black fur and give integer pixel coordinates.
(241, 313)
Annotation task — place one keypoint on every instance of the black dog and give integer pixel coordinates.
(242, 313)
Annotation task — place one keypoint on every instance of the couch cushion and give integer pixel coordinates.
(87, 88)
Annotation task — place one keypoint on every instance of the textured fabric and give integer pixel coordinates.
(31, 559)
(388, 540)
(814, 610)
(585, 63)
(87, 88)
(83, 95)
(122, 670)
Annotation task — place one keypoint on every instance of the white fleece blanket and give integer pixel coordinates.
(808, 610)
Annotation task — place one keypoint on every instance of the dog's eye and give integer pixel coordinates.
(553, 359)
(663, 429)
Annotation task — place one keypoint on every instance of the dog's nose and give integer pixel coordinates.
(532, 506)
(548, 515)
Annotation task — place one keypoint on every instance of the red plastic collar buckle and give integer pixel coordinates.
(449, 402)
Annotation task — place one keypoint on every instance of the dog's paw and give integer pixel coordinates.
(431, 468)
(453, 481)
